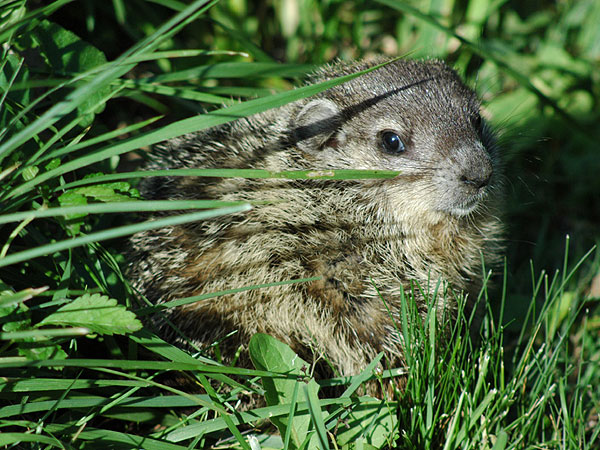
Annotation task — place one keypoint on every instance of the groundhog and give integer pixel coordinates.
(367, 240)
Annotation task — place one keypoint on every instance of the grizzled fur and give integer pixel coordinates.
(432, 222)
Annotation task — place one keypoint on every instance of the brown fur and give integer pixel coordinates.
(426, 224)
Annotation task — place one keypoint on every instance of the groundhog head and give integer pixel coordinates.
(414, 117)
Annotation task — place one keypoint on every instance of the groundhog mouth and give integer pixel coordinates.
(466, 205)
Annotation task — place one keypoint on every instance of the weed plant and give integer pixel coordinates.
(87, 87)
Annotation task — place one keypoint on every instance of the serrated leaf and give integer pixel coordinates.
(121, 186)
(267, 353)
(103, 193)
(72, 198)
(41, 351)
(97, 312)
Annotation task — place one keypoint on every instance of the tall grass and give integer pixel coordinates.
(77, 104)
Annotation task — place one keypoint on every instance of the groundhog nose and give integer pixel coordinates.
(477, 182)
(478, 174)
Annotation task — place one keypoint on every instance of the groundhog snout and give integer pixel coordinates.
(464, 179)
(477, 175)
(474, 168)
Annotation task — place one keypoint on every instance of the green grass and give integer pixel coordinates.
(87, 87)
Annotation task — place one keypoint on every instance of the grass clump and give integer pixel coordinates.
(76, 105)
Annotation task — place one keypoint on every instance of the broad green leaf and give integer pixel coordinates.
(70, 199)
(42, 350)
(267, 353)
(97, 312)
(53, 164)
(358, 445)
(105, 193)
(370, 420)
(20, 320)
(21, 18)
(501, 440)
(32, 347)
(101, 192)
(29, 173)
(66, 53)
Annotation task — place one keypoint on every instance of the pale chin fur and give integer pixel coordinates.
(461, 211)
(466, 207)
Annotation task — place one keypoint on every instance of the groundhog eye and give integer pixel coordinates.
(392, 143)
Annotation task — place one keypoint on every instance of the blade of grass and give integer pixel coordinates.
(338, 174)
(116, 69)
(72, 147)
(179, 92)
(365, 375)
(487, 54)
(241, 91)
(190, 125)
(118, 207)
(59, 134)
(60, 384)
(187, 53)
(43, 333)
(314, 407)
(21, 362)
(163, 401)
(21, 296)
(115, 233)
(290, 416)
(218, 424)
(196, 298)
(105, 438)
(171, 353)
(224, 415)
(8, 438)
(234, 70)
(7, 29)
(10, 82)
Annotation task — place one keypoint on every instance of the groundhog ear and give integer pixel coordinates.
(316, 125)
